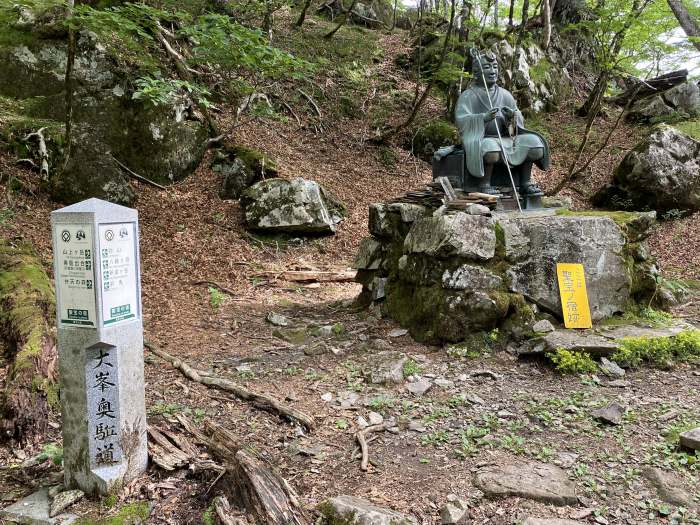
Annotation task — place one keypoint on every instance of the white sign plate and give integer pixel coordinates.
(118, 272)
(75, 277)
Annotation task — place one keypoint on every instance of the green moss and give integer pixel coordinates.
(659, 351)
(621, 218)
(129, 514)
(431, 136)
(9, 34)
(500, 241)
(642, 315)
(568, 362)
(690, 127)
(332, 517)
(540, 71)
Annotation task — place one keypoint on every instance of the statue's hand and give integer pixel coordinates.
(490, 115)
(508, 113)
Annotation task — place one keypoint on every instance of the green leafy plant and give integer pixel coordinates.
(216, 298)
(53, 452)
(568, 362)
(660, 351)
(410, 368)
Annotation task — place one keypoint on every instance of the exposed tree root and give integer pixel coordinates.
(361, 437)
(261, 401)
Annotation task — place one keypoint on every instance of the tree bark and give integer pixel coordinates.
(645, 88)
(70, 62)
(27, 311)
(342, 22)
(510, 13)
(547, 22)
(302, 15)
(689, 24)
(393, 16)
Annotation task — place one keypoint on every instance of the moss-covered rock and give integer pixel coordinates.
(430, 137)
(27, 307)
(241, 167)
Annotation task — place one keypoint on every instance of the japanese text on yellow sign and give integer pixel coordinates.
(574, 298)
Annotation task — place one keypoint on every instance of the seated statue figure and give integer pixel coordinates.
(482, 110)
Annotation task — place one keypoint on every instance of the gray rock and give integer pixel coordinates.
(398, 332)
(691, 439)
(599, 242)
(458, 234)
(369, 256)
(444, 383)
(681, 99)
(241, 167)
(277, 319)
(357, 511)
(416, 426)
(297, 206)
(662, 173)
(572, 340)
(388, 368)
(467, 277)
(419, 387)
(478, 209)
(619, 383)
(536, 481)
(563, 201)
(455, 512)
(375, 418)
(611, 368)
(611, 414)
(34, 510)
(669, 486)
(63, 500)
(543, 326)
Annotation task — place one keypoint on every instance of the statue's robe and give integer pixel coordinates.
(479, 138)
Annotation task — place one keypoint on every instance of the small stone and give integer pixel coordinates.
(504, 414)
(35, 508)
(388, 368)
(419, 387)
(362, 422)
(478, 209)
(326, 331)
(668, 416)
(619, 383)
(55, 490)
(611, 368)
(565, 459)
(277, 319)
(348, 399)
(444, 383)
(669, 486)
(543, 326)
(454, 513)
(327, 397)
(691, 439)
(63, 500)
(398, 332)
(375, 418)
(611, 414)
(360, 511)
(416, 426)
(462, 377)
(474, 399)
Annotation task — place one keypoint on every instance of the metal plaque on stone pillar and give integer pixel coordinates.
(100, 344)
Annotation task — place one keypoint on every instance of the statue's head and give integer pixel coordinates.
(484, 67)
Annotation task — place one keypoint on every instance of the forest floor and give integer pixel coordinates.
(524, 410)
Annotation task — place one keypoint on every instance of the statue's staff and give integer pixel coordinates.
(477, 55)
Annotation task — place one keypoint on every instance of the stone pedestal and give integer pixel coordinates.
(445, 274)
(100, 344)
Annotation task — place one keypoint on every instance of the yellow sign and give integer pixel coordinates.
(574, 298)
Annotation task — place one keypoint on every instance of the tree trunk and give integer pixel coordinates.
(393, 16)
(70, 62)
(302, 15)
(547, 22)
(254, 486)
(27, 311)
(526, 8)
(510, 13)
(342, 22)
(689, 24)
(495, 14)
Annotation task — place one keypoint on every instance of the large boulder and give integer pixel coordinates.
(164, 143)
(444, 275)
(681, 101)
(661, 173)
(291, 206)
(537, 245)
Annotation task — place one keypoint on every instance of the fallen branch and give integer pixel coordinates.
(43, 152)
(223, 511)
(361, 437)
(216, 285)
(344, 276)
(312, 102)
(261, 401)
(138, 177)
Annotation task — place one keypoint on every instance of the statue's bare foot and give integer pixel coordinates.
(531, 189)
(489, 190)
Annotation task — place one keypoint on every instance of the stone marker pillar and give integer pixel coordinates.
(100, 344)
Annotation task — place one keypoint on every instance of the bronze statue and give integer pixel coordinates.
(482, 111)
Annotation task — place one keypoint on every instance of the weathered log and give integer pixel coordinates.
(639, 89)
(342, 276)
(253, 485)
(27, 311)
